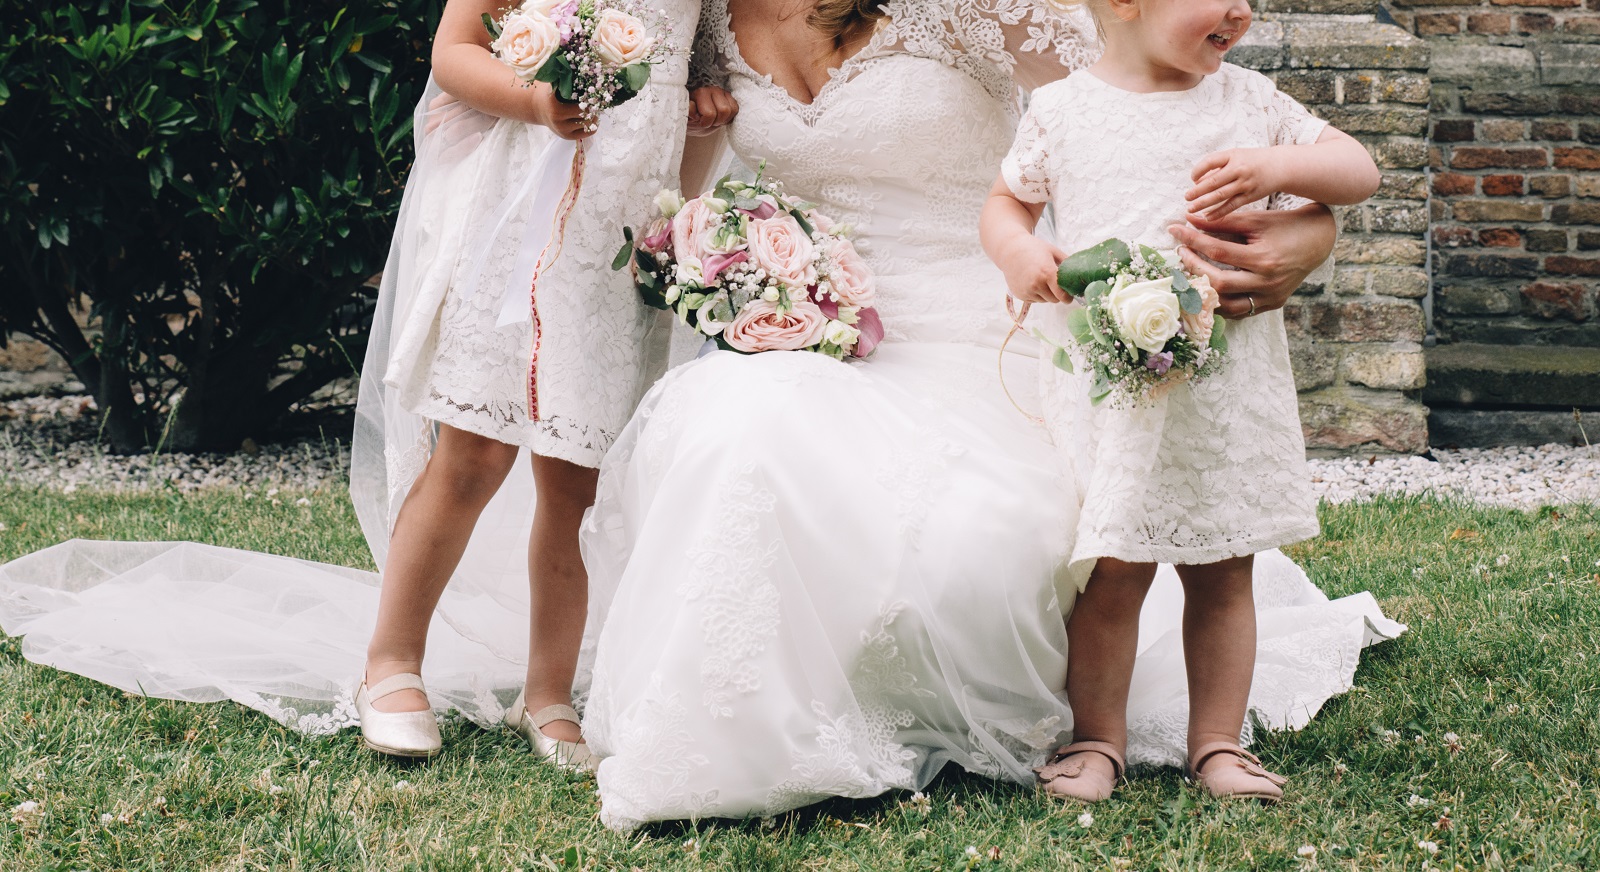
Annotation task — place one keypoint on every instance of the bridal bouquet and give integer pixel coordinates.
(1143, 326)
(755, 271)
(595, 53)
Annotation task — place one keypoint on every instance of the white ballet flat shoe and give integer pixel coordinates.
(571, 756)
(398, 734)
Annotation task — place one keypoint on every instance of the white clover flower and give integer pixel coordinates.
(274, 790)
(402, 785)
(1416, 801)
(107, 818)
(1307, 851)
(1452, 742)
(692, 846)
(1503, 560)
(1339, 768)
(1430, 847)
(272, 492)
(972, 852)
(302, 502)
(1086, 820)
(26, 812)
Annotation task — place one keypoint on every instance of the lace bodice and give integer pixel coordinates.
(910, 174)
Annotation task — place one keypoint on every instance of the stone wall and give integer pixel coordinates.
(1357, 342)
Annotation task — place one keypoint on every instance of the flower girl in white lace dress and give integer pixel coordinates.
(454, 337)
(1213, 472)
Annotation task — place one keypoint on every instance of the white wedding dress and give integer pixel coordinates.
(812, 578)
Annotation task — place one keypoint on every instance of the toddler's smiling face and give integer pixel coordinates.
(1178, 38)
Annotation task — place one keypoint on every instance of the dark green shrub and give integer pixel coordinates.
(218, 180)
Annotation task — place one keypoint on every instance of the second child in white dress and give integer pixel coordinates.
(459, 364)
(1213, 472)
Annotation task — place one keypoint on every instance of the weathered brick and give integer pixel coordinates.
(1489, 24)
(1544, 240)
(1398, 154)
(1504, 130)
(1309, 86)
(1566, 265)
(1552, 130)
(1503, 186)
(1551, 300)
(1563, 63)
(1398, 281)
(1499, 237)
(1478, 158)
(1367, 320)
(1589, 132)
(1393, 250)
(1437, 24)
(1474, 299)
(1587, 186)
(1402, 186)
(1575, 213)
(1450, 184)
(1347, 418)
(1497, 210)
(1583, 25)
(1520, 103)
(1588, 240)
(1491, 265)
(1455, 130)
(1399, 217)
(1453, 237)
(1315, 365)
(1535, 22)
(1397, 367)
(1550, 186)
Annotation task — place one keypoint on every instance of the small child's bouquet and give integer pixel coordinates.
(755, 271)
(1143, 326)
(595, 53)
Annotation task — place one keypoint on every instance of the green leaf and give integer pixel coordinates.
(804, 224)
(1090, 265)
(1062, 360)
(491, 25)
(1219, 335)
(635, 76)
(1189, 300)
(1151, 256)
(1100, 388)
(621, 260)
(1078, 324)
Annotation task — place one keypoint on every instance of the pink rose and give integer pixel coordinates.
(694, 229)
(657, 237)
(848, 273)
(1198, 325)
(871, 327)
(759, 326)
(781, 248)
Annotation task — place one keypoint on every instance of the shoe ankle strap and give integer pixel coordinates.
(551, 713)
(1104, 749)
(1206, 752)
(394, 684)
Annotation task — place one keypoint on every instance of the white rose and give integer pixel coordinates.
(526, 42)
(546, 8)
(1147, 312)
(620, 39)
(690, 271)
(840, 333)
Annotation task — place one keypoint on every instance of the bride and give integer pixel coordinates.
(809, 578)
(814, 579)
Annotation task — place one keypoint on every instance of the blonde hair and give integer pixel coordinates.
(843, 20)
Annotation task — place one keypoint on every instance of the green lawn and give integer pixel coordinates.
(1504, 653)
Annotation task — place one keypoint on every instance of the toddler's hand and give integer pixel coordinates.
(1226, 180)
(710, 107)
(1029, 265)
(565, 119)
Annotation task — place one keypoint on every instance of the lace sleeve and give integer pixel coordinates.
(1289, 122)
(707, 66)
(1032, 41)
(1026, 167)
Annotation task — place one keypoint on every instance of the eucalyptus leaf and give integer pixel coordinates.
(1062, 360)
(1091, 265)
(621, 260)
(1189, 300)
(1219, 335)
(635, 76)
(1078, 325)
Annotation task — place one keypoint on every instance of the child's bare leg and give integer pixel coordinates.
(1102, 644)
(429, 537)
(1219, 648)
(558, 592)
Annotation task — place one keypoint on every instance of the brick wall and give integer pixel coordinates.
(1516, 168)
(1357, 342)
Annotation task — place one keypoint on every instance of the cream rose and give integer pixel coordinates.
(526, 41)
(1147, 312)
(849, 276)
(544, 7)
(781, 248)
(620, 39)
(1199, 325)
(759, 326)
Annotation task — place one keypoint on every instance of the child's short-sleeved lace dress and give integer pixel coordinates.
(1216, 469)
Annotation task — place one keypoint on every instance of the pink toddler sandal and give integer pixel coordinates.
(1064, 775)
(1245, 780)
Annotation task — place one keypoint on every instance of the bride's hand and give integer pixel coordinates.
(710, 107)
(1030, 266)
(1275, 252)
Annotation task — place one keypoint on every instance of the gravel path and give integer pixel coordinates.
(50, 442)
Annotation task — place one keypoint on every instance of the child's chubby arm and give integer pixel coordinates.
(1028, 262)
(464, 69)
(1335, 170)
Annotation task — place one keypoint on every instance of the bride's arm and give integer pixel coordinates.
(1277, 250)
